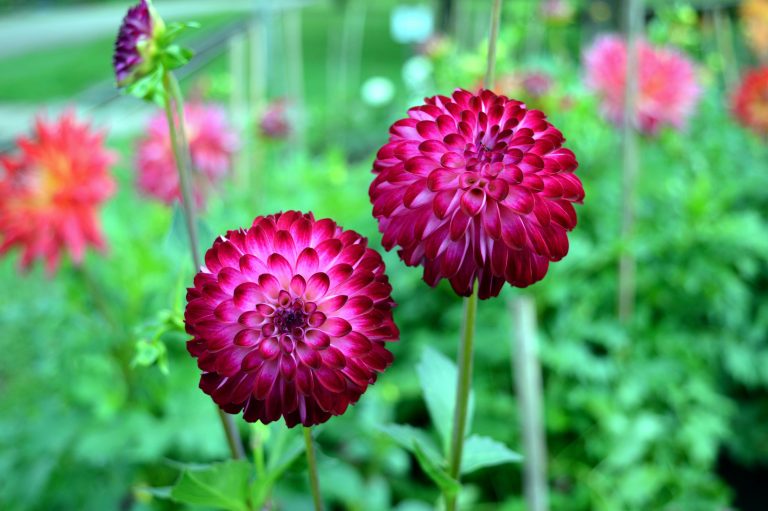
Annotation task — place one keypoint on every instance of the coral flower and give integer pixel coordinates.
(750, 102)
(212, 144)
(135, 47)
(754, 15)
(476, 187)
(289, 318)
(667, 91)
(51, 192)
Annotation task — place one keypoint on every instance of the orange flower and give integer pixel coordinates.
(754, 15)
(51, 191)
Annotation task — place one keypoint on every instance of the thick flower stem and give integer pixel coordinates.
(463, 385)
(312, 469)
(181, 156)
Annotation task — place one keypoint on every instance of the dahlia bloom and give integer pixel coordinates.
(289, 318)
(51, 192)
(274, 123)
(476, 187)
(754, 15)
(750, 101)
(212, 143)
(136, 44)
(667, 92)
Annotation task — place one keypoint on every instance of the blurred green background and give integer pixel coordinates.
(99, 399)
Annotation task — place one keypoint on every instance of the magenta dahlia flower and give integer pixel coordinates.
(212, 144)
(135, 47)
(476, 187)
(668, 91)
(289, 318)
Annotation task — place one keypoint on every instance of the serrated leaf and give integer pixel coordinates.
(482, 451)
(408, 436)
(438, 375)
(441, 478)
(219, 485)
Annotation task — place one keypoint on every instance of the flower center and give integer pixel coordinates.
(286, 319)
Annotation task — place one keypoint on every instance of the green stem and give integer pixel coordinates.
(312, 469)
(181, 156)
(492, 37)
(463, 386)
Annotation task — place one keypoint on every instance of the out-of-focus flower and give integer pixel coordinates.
(212, 143)
(536, 83)
(529, 84)
(289, 318)
(51, 192)
(750, 101)
(667, 91)
(557, 11)
(435, 47)
(136, 47)
(476, 187)
(274, 123)
(378, 91)
(754, 15)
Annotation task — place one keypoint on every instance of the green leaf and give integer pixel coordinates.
(408, 436)
(445, 482)
(438, 375)
(219, 485)
(482, 451)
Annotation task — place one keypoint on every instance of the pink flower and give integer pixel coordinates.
(476, 187)
(274, 123)
(289, 318)
(667, 91)
(212, 143)
(52, 191)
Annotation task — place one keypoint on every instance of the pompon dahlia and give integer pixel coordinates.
(476, 187)
(668, 91)
(289, 318)
(750, 101)
(136, 44)
(51, 192)
(212, 144)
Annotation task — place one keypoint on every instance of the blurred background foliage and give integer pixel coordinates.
(99, 399)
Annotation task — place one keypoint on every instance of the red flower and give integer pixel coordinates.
(289, 318)
(667, 91)
(212, 144)
(476, 187)
(750, 102)
(51, 192)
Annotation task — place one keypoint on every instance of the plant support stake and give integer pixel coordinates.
(630, 155)
(527, 374)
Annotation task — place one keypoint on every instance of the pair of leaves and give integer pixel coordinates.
(169, 56)
(438, 376)
(234, 485)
